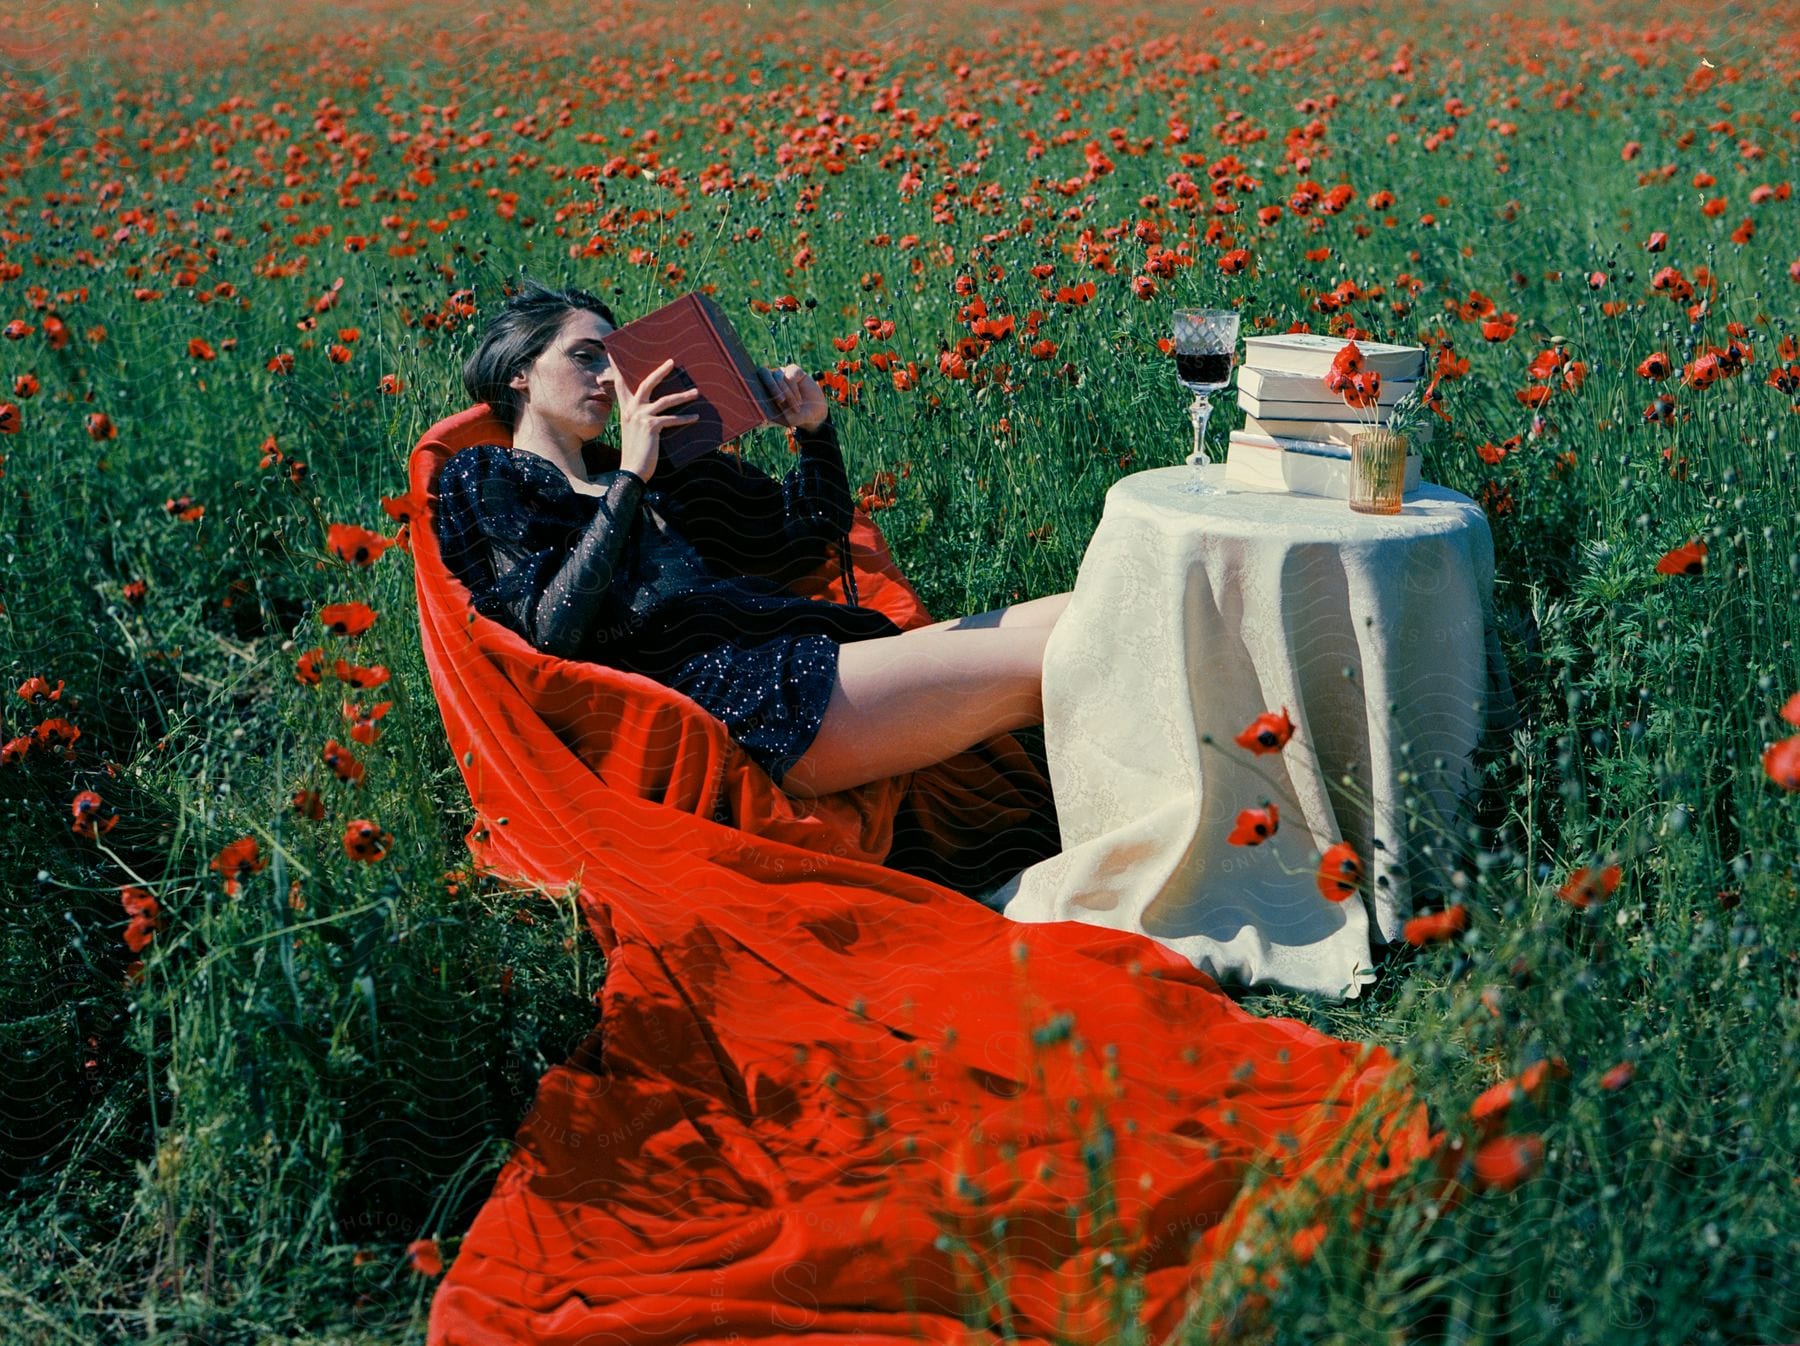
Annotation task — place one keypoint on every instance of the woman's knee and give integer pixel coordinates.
(899, 706)
(1036, 612)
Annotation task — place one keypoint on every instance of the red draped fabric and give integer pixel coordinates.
(829, 1097)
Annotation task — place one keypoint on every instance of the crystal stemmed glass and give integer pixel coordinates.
(1205, 343)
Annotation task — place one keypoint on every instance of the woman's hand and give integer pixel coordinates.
(642, 418)
(800, 400)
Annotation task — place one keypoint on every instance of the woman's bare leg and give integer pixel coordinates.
(901, 703)
(1035, 612)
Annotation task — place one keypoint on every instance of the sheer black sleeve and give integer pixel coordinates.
(746, 520)
(549, 584)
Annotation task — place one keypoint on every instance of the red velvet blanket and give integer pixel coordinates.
(819, 1082)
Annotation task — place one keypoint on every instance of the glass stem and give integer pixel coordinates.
(1200, 413)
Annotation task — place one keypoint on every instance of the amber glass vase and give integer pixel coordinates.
(1377, 471)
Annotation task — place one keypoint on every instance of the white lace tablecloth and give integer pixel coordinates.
(1194, 614)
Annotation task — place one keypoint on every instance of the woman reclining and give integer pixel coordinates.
(563, 539)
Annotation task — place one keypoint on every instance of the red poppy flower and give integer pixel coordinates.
(423, 1254)
(1618, 1077)
(85, 808)
(1586, 887)
(307, 804)
(281, 364)
(344, 764)
(137, 901)
(139, 931)
(363, 727)
(1499, 327)
(1656, 366)
(1702, 371)
(1340, 873)
(17, 330)
(35, 686)
(1534, 396)
(184, 508)
(1687, 559)
(1360, 390)
(1493, 1103)
(347, 619)
(25, 386)
(365, 841)
(1255, 826)
(1437, 926)
(1267, 733)
(306, 667)
(1781, 763)
(1504, 1162)
(356, 545)
(391, 384)
(1234, 261)
(359, 675)
(1671, 282)
(1545, 363)
(9, 419)
(200, 349)
(1790, 710)
(1657, 241)
(237, 862)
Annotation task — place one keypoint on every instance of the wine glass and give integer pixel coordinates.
(1205, 343)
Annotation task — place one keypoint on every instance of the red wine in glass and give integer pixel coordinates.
(1209, 371)
(1205, 341)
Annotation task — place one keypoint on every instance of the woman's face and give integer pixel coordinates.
(563, 386)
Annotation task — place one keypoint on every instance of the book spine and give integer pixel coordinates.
(736, 356)
(1283, 387)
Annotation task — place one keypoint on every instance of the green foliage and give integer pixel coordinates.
(238, 1144)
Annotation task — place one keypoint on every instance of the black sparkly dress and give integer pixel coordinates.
(682, 581)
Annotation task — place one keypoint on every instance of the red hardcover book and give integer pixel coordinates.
(694, 332)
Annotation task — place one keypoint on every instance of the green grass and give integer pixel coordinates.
(239, 1146)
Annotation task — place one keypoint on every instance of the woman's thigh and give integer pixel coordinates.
(1035, 612)
(901, 704)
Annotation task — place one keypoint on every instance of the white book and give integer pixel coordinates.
(1274, 385)
(1249, 462)
(1331, 432)
(1310, 353)
(1322, 410)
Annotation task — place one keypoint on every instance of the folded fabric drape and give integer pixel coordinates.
(821, 1075)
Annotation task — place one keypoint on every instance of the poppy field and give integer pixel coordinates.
(267, 1035)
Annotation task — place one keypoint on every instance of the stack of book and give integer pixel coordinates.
(1296, 434)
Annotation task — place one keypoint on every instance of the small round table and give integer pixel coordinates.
(1191, 616)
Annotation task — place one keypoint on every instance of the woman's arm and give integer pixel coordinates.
(552, 595)
(751, 523)
(569, 605)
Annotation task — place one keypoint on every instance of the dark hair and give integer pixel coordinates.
(516, 336)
